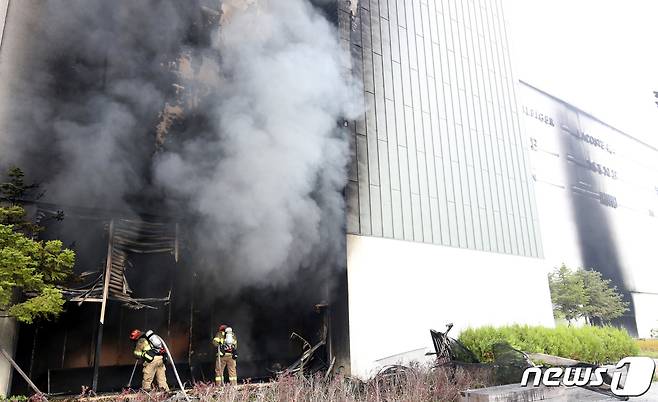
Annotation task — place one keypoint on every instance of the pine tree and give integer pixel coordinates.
(605, 303)
(567, 293)
(30, 269)
(584, 293)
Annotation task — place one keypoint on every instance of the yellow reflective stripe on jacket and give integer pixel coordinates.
(218, 339)
(141, 348)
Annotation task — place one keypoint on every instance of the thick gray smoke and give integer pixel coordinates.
(82, 85)
(267, 180)
(261, 160)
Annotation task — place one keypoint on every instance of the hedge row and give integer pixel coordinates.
(591, 344)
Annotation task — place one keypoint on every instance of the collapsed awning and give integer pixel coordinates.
(126, 237)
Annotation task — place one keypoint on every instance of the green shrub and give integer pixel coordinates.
(588, 344)
(14, 398)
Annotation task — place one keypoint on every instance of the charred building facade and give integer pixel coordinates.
(337, 169)
(597, 199)
(200, 175)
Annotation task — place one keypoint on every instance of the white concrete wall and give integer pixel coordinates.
(646, 313)
(8, 336)
(16, 22)
(4, 6)
(399, 290)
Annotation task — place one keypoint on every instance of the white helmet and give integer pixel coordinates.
(228, 330)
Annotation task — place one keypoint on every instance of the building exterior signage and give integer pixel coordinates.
(544, 118)
(589, 139)
(600, 169)
(548, 120)
(608, 200)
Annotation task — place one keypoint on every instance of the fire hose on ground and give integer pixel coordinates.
(171, 360)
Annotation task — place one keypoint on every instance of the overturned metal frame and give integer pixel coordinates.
(306, 357)
(445, 346)
(310, 352)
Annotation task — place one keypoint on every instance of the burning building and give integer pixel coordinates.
(351, 171)
(198, 154)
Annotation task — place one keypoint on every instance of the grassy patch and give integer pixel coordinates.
(415, 384)
(648, 347)
(418, 384)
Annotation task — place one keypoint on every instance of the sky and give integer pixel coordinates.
(599, 55)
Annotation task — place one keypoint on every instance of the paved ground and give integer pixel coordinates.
(579, 394)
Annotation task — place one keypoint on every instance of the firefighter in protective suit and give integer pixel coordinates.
(227, 354)
(150, 348)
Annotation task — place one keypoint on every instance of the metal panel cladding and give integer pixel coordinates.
(438, 154)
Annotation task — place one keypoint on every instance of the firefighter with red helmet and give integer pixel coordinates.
(150, 348)
(227, 353)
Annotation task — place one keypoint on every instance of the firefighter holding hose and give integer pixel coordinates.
(151, 349)
(227, 354)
